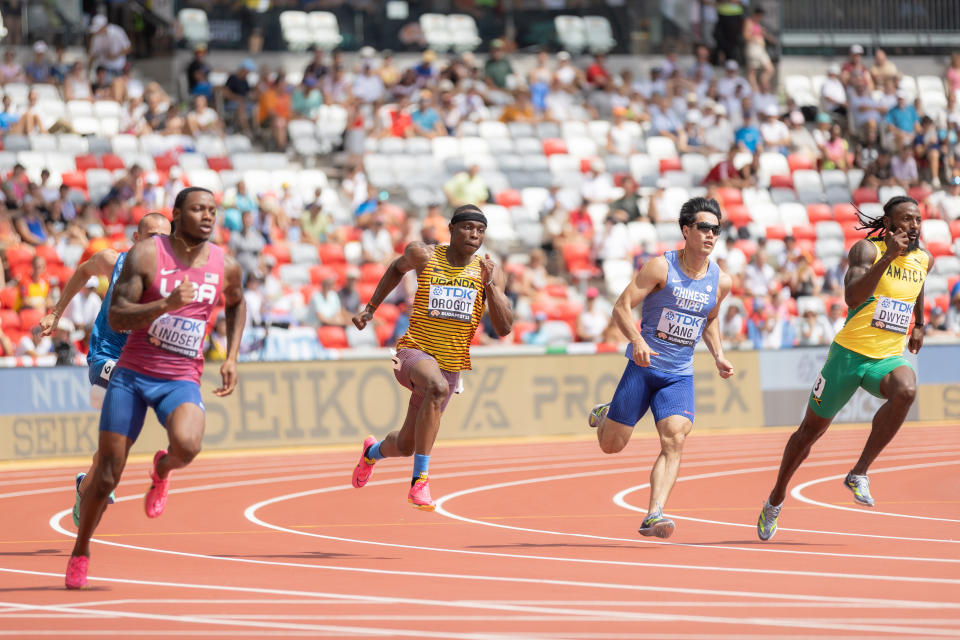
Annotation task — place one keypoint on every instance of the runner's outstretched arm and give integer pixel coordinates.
(711, 332)
(864, 274)
(651, 277)
(236, 313)
(415, 256)
(99, 264)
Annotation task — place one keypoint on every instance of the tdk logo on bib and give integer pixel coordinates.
(451, 303)
(679, 328)
(892, 315)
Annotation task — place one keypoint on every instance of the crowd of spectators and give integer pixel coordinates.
(783, 294)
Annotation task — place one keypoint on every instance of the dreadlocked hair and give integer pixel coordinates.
(877, 227)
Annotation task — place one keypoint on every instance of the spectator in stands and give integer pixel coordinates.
(663, 121)
(598, 184)
(76, 86)
(953, 315)
(903, 166)
(867, 145)
(803, 281)
(325, 306)
(424, 71)
(426, 122)
(538, 335)
(215, 349)
(593, 320)
(34, 288)
(949, 205)
(520, 109)
(813, 329)
(758, 275)
(498, 67)
(108, 45)
(435, 220)
(726, 174)
(317, 67)
(274, 110)
(936, 322)
(102, 85)
(466, 187)
(307, 99)
(30, 121)
(929, 148)
(833, 95)
(238, 98)
(133, 118)
(10, 70)
(701, 70)
(7, 348)
(367, 86)
(854, 69)
(388, 71)
(952, 75)
(158, 116)
(376, 242)
(8, 117)
(629, 202)
(883, 69)
(198, 69)
(863, 107)
(38, 70)
(836, 318)
(85, 306)
(349, 298)
(566, 74)
(316, 224)
(126, 87)
(202, 119)
(733, 326)
(756, 37)
(34, 344)
(903, 117)
(880, 172)
(835, 153)
(247, 245)
(774, 134)
(732, 84)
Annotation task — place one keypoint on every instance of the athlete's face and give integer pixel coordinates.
(197, 215)
(703, 234)
(906, 217)
(467, 236)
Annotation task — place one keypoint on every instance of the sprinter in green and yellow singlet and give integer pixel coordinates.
(884, 290)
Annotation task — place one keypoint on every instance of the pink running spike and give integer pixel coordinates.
(76, 577)
(361, 472)
(156, 499)
(419, 495)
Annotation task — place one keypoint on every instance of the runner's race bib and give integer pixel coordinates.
(892, 315)
(679, 328)
(175, 334)
(451, 303)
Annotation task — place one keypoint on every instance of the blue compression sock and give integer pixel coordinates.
(373, 452)
(420, 465)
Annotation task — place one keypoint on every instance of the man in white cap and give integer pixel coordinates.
(833, 95)
(38, 70)
(109, 46)
(854, 68)
(773, 131)
(727, 85)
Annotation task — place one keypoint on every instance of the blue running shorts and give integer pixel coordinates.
(99, 372)
(130, 393)
(640, 388)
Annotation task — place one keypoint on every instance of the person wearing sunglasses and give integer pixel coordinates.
(679, 294)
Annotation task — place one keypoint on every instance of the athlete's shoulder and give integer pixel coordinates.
(864, 251)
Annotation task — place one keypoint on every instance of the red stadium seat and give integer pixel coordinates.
(30, 317)
(371, 273)
(219, 164)
(819, 212)
(333, 337)
(19, 254)
(318, 273)
(781, 182)
(805, 232)
(307, 291)
(555, 290)
(951, 282)
(365, 291)
(865, 194)
(9, 297)
(942, 301)
(791, 305)
(576, 257)
(806, 246)
(844, 213)
(919, 193)
(75, 179)
(849, 241)
(49, 253)
(775, 232)
(554, 145)
(799, 161)
(729, 196)
(520, 328)
(509, 198)
(9, 319)
(384, 333)
(670, 164)
(165, 162)
(111, 161)
(388, 312)
(939, 249)
(87, 162)
(818, 268)
(955, 229)
(738, 214)
(331, 253)
(749, 247)
(477, 338)
(280, 252)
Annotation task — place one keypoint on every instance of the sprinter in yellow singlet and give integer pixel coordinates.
(884, 291)
(453, 287)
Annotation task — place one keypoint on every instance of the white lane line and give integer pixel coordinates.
(798, 492)
(778, 622)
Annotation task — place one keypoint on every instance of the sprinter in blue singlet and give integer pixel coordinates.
(105, 343)
(680, 292)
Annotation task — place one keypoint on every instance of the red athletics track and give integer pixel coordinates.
(531, 540)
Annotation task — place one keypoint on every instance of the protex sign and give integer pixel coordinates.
(892, 315)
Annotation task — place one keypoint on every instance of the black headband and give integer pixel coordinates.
(473, 215)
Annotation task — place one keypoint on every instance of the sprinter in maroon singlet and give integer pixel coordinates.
(164, 297)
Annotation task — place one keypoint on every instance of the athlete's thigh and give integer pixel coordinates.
(632, 397)
(185, 426)
(673, 426)
(425, 372)
(124, 408)
(674, 397)
(836, 383)
(885, 377)
(180, 402)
